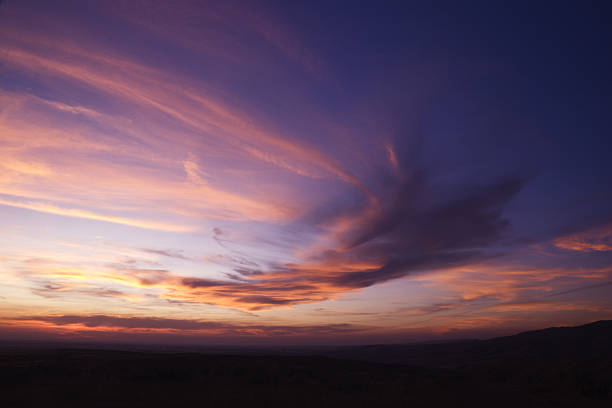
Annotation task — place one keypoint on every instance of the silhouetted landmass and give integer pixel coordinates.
(559, 367)
(588, 342)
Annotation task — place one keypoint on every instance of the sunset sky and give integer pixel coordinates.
(274, 172)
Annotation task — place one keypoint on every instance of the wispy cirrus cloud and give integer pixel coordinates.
(197, 122)
(78, 213)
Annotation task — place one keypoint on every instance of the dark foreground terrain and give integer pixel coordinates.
(560, 367)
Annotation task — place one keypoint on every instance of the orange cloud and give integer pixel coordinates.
(598, 239)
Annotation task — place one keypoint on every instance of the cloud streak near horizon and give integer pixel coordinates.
(229, 161)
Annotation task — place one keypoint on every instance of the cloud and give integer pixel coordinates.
(55, 290)
(78, 213)
(412, 232)
(135, 324)
(126, 322)
(62, 275)
(401, 239)
(152, 89)
(596, 239)
(582, 288)
(231, 34)
(170, 253)
(193, 198)
(394, 243)
(413, 237)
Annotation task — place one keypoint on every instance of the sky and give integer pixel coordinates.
(271, 172)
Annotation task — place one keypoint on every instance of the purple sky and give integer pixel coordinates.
(300, 172)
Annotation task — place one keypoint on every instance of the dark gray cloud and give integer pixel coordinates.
(411, 236)
(170, 253)
(202, 283)
(54, 290)
(94, 321)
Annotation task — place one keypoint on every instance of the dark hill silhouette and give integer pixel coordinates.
(587, 342)
(558, 367)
